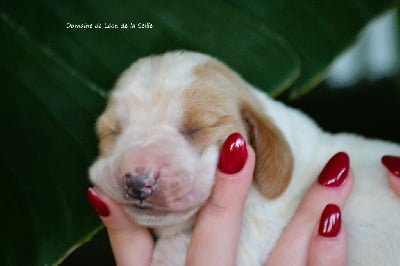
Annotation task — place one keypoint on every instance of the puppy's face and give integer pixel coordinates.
(161, 132)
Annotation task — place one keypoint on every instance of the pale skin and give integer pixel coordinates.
(222, 216)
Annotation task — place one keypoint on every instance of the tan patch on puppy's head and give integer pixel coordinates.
(274, 159)
(207, 119)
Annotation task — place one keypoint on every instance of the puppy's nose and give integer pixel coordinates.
(139, 185)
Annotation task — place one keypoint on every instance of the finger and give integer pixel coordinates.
(334, 185)
(392, 163)
(329, 244)
(216, 233)
(131, 243)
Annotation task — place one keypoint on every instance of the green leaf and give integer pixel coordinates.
(317, 30)
(55, 80)
(48, 142)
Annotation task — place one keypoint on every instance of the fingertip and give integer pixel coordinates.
(110, 212)
(329, 244)
(245, 171)
(392, 164)
(231, 190)
(331, 221)
(97, 202)
(233, 154)
(130, 242)
(335, 171)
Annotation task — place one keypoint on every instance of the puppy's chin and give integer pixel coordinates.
(153, 218)
(174, 209)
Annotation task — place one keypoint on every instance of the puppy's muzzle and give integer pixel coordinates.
(141, 184)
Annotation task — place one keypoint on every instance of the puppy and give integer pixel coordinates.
(160, 137)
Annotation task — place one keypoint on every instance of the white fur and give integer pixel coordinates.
(151, 136)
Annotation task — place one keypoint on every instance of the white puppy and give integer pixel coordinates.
(160, 137)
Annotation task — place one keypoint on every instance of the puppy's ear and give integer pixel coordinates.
(274, 159)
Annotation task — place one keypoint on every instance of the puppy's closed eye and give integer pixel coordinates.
(191, 132)
(108, 129)
(190, 128)
(202, 134)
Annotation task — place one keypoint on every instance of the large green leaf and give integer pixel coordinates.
(55, 79)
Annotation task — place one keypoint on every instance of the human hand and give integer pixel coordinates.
(325, 243)
(308, 244)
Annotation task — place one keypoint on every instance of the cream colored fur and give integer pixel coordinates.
(171, 113)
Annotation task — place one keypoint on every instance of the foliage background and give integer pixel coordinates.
(54, 82)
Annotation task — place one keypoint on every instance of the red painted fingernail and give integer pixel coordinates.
(330, 222)
(97, 203)
(392, 163)
(335, 171)
(233, 154)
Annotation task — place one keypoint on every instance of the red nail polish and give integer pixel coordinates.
(233, 154)
(330, 222)
(97, 203)
(392, 163)
(335, 171)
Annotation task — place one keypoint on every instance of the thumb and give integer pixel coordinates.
(131, 243)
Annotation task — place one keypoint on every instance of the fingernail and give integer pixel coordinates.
(233, 154)
(392, 163)
(330, 222)
(97, 203)
(335, 171)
